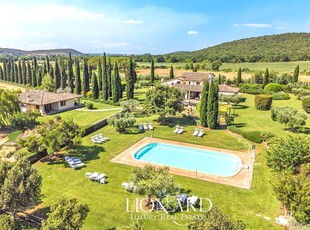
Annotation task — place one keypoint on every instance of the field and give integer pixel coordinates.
(11, 86)
(107, 203)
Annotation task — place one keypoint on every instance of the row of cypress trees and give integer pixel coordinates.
(105, 82)
(209, 107)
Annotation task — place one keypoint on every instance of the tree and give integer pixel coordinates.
(78, 83)
(130, 87)
(164, 100)
(130, 105)
(23, 120)
(152, 71)
(203, 104)
(57, 77)
(63, 77)
(48, 83)
(85, 77)
(266, 77)
(116, 84)
(20, 72)
(215, 219)
(48, 66)
(29, 74)
(70, 73)
(66, 214)
(239, 80)
(24, 72)
(1, 73)
(212, 105)
(6, 222)
(105, 85)
(306, 104)
(215, 66)
(171, 74)
(121, 121)
(151, 180)
(9, 105)
(296, 74)
(99, 67)
(109, 77)
(95, 89)
(21, 186)
(289, 116)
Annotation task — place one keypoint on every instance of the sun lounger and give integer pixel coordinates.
(182, 198)
(145, 126)
(67, 158)
(181, 130)
(98, 178)
(129, 186)
(196, 132)
(201, 133)
(150, 126)
(177, 128)
(192, 200)
(93, 175)
(87, 174)
(76, 166)
(140, 126)
(102, 181)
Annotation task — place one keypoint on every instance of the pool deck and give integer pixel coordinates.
(241, 180)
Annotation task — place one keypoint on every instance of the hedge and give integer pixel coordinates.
(306, 104)
(280, 96)
(273, 87)
(234, 129)
(251, 89)
(254, 136)
(263, 102)
(89, 105)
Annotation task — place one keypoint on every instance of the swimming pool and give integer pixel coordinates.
(192, 159)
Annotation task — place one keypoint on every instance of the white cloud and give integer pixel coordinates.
(192, 32)
(133, 22)
(255, 25)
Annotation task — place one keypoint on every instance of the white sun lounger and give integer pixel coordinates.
(177, 128)
(76, 166)
(102, 181)
(145, 126)
(140, 126)
(196, 132)
(181, 130)
(129, 186)
(201, 133)
(192, 200)
(98, 178)
(150, 126)
(94, 175)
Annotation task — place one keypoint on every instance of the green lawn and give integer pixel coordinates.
(248, 118)
(281, 67)
(107, 203)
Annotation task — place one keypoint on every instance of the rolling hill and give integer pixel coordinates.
(51, 52)
(271, 48)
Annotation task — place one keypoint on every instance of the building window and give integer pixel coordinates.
(37, 107)
(63, 103)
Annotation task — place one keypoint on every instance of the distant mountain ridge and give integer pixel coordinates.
(268, 48)
(50, 52)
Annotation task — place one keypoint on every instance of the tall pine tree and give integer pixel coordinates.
(1, 73)
(152, 71)
(40, 76)
(266, 77)
(5, 73)
(238, 77)
(29, 74)
(212, 110)
(63, 77)
(99, 67)
(95, 88)
(109, 76)
(296, 74)
(70, 73)
(116, 84)
(24, 72)
(203, 104)
(105, 86)
(78, 83)
(48, 66)
(171, 74)
(85, 77)
(57, 75)
(130, 83)
(20, 73)
(34, 77)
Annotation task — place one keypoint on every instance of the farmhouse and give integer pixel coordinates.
(47, 102)
(192, 84)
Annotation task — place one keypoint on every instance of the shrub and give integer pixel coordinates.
(306, 104)
(24, 120)
(273, 87)
(263, 102)
(251, 89)
(234, 129)
(254, 136)
(265, 136)
(280, 96)
(89, 105)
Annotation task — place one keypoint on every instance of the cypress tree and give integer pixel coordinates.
(212, 110)
(16, 73)
(1, 73)
(44, 69)
(85, 77)
(116, 84)
(109, 76)
(63, 77)
(13, 71)
(95, 88)
(78, 84)
(24, 72)
(171, 74)
(296, 74)
(40, 77)
(20, 72)
(238, 77)
(57, 76)
(34, 77)
(5, 73)
(29, 74)
(203, 104)
(152, 71)
(99, 67)
(220, 79)
(9, 70)
(70, 73)
(48, 66)
(266, 77)
(130, 80)
(105, 86)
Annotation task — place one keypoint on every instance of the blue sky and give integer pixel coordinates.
(144, 26)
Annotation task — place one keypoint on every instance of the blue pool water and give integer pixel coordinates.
(205, 161)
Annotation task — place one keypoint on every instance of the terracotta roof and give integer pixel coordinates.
(228, 89)
(195, 76)
(40, 97)
(198, 88)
